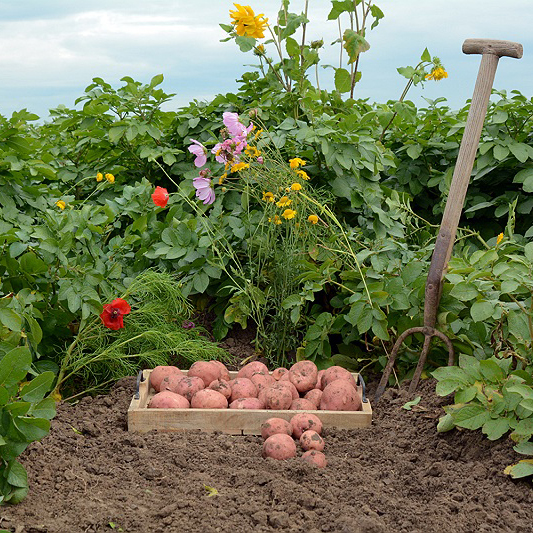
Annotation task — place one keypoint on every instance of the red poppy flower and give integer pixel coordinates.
(113, 312)
(160, 196)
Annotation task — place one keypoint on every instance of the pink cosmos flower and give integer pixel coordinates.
(204, 190)
(200, 151)
(228, 151)
(231, 121)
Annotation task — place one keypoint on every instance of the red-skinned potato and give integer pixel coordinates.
(339, 395)
(168, 400)
(247, 403)
(316, 458)
(188, 386)
(334, 373)
(161, 372)
(311, 440)
(304, 421)
(278, 372)
(221, 386)
(290, 386)
(207, 371)
(319, 379)
(277, 396)
(275, 426)
(224, 372)
(279, 446)
(251, 368)
(242, 388)
(301, 404)
(170, 382)
(314, 396)
(262, 380)
(208, 399)
(303, 375)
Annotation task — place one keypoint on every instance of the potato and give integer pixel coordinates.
(311, 440)
(304, 421)
(314, 396)
(277, 396)
(242, 388)
(301, 404)
(315, 457)
(248, 370)
(279, 446)
(337, 372)
(160, 372)
(247, 403)
(168, 400)
(303, 375)
(319, 379)
(224, 372)
(208, 399)
(278, 372)
(170, 382)
(221, 386)
(291, 387)
(339, 395)
(274, 426)
(188, 386)
(262, 380)
(207, 371)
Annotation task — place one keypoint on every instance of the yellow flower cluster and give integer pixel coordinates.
(109, 177)
(437, 74)
(239, 166)
(61, 204)
(247, 23)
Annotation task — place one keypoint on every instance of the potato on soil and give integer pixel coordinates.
(339, 395)
(208, 399)
(221, 386)
(160, 372)
(337, 372)
(224, 372)
(311, 440)
(188, 386)
(262, 380)
(304, 421)
(277, 396)
(279, 446)
(301, 404)
(275, 426)
(315, 457)
(314, 396)
(249, 369)
(278, 372)
(168, 400)
(247, 403)
(207, 371)
(303, 375)
(242, 388)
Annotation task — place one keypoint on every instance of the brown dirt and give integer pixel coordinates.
(91, 475)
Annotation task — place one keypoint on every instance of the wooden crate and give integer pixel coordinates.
(232, 421)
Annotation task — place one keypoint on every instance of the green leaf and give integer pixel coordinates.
(528, 250)
(16, 474)
(465, 395)
(481, 310)
(32, 428)
(471, 416)
(116, 132)
(524, 427)
(44, 409)
(339, 7)
(524, 390)
(521, 469)
(450, 372)
(445, 423)
(293, 48)
(354, 44)
(10, 319)
(414, 151)
(36, 389)
(157, 80)
(447, 386)
(495, 428)
(464, 291)
(200, 282)
(500, 152)
(408, 406)
(525, 448)
(426, 56)
(491, 371)
(245, 43)
(14, 366)
(343, 80)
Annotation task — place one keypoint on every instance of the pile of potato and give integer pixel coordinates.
(207, 385)
(279, 438)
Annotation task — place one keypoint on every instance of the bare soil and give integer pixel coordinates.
(400, 475)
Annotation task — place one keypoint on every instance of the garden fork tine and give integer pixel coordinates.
(491, 51)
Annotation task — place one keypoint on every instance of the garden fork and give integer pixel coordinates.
(491, 51)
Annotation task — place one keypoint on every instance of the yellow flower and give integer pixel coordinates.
(259, 50)
(252, 151)
(302, 174)
(296, 186)
(438, 73)
(313, 219)
(61, 204)
(247, 23)
(99, 176)
(239, 166)
(499, 239)
(110, 178)
(257, 133)
(284, 201)
(268, 197)
(288, 214)
(222, 178)
(275, 220)
(296, 162)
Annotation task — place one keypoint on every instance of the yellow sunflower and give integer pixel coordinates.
(247, 23)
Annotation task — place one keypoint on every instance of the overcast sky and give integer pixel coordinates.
(51, 49)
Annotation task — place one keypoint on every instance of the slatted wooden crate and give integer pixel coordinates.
(232, 421)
